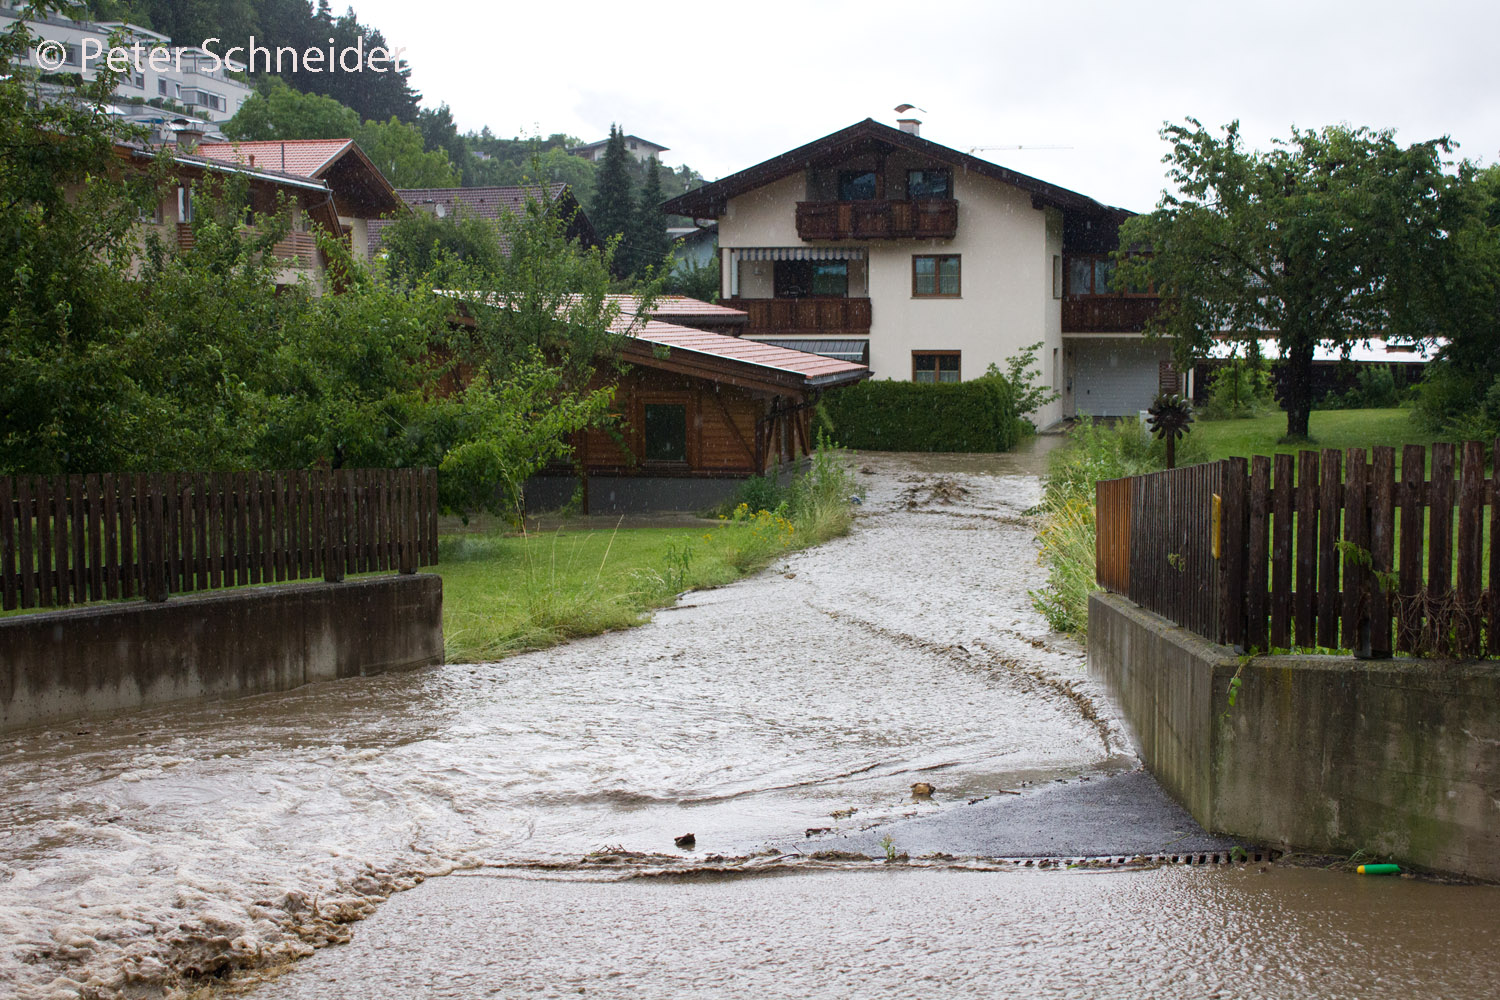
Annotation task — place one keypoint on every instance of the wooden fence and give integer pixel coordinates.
(69, 539)
(1319, 550)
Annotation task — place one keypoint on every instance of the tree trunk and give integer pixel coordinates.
(1171, 451)
(1296, 386)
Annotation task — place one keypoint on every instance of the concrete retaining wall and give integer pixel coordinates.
(1399, 758)
(112, 658)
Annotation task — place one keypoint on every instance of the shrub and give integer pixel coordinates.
(979, 415)
(1239, 388)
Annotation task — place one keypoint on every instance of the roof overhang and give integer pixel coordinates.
(710, 200)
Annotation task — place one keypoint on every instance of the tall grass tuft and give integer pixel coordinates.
(1094, 451)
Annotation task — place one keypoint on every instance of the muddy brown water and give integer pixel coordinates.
(152, 852)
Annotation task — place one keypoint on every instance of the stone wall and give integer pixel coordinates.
(120, 657)
(1399, 758)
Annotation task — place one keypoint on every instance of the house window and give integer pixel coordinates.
(666, 432)
(185, 204)
(935, 366)
(796, 279)
(161, 87)
(856, 185)
(935, 276)
(1094, 274)
(928, 184)
(1057, 276)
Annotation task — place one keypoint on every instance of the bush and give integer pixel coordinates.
(1374, 389)
(1238, 389)
(979, 415)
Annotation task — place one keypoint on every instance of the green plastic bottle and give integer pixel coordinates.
(1379, 869)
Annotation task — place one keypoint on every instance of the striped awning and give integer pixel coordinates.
(796, 253)
(857, 351)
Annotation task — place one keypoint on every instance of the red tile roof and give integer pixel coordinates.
(681, 308)
(300, 157)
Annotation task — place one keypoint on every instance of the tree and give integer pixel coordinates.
(647, 238)
(1312, 243)
(276, 111)
(396, 148)
(613, 211)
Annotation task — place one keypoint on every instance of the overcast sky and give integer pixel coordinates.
(728, 85)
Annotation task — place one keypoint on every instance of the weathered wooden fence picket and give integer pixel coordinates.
(1318, 550)
(76, 538)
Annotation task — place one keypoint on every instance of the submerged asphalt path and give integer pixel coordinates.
(1124, 815)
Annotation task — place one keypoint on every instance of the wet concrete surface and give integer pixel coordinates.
(1125, 814)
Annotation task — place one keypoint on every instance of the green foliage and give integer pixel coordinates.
(421, 248)
(647, 241)
(398, 148)
(613, 211)
(1237, 389)
(1327, 238)
(1023, 375)
(1374, 389)
(979, 415)
(507, 430)
(1094, 451)
(696, 281)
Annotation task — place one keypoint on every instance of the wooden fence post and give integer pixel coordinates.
(333, 534)
(1470, 590)
(1382, 548)
(154, 585)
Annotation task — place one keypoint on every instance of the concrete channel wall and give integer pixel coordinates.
(120, 657)
(1398, 758)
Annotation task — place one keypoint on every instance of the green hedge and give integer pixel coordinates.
(912, 416)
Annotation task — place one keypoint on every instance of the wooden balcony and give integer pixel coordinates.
(804, 317)
(930, 219)
(299, 248)
(1107, 314)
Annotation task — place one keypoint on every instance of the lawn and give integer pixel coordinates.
(506, 593)
(1214, 439)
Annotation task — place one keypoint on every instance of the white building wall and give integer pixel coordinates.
(1006, 247)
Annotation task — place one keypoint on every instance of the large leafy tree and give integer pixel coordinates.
(1318, 241)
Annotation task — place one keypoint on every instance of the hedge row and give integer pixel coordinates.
(913, 416)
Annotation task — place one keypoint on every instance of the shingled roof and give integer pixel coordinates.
(357, 184)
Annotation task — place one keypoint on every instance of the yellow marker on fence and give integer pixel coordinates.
(1218, 506)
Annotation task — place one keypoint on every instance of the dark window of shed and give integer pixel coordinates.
(666, 432)
(856, 185)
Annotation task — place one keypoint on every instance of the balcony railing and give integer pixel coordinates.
(929, 219)
(804, 317)
(1107, 314)
(302, 248)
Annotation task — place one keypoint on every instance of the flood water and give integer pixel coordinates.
(150, 853)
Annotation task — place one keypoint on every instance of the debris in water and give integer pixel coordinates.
(844, 813)
(922, 790)
(816, 831)
(686, 841)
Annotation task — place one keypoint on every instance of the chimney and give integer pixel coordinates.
(911, 126)
(188, 138)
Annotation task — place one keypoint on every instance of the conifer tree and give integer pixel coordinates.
(648, 240)
(613, 210)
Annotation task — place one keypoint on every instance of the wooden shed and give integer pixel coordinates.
(699, 411)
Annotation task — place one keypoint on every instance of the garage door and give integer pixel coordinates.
(1115, 378)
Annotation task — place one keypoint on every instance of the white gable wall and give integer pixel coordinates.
(1006, 300)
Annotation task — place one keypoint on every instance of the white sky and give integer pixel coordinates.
(728, 85)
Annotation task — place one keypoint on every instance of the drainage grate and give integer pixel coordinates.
(1120, 861)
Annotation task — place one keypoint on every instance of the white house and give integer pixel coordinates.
(873, 244)
(186, 77)
(641, 149)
